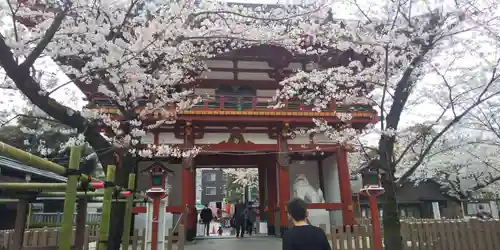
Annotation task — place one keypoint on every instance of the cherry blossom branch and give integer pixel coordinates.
(26, 84)
(455, 120)
(27, 116)
(384, 90)
(218, 12)
(47, 38)
(487, 123)
(13, 13)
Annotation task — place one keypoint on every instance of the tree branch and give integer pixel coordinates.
(40, 47)
(29, 87)
(479, 100)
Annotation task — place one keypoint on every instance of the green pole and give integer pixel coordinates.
(28, 219)
(69, 200)
(79, 194)
(106, 210)
(32, 186)
(128, 213)
(36, 161)
(8, 200)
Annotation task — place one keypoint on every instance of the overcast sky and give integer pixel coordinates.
(71, 96)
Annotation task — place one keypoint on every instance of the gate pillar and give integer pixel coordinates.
(188, 183)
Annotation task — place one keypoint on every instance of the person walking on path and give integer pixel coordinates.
(302, 235)
(206, 217)
(239, 218)
(251, 218)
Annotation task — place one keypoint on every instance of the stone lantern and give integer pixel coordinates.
(156, 192)
(370, 176)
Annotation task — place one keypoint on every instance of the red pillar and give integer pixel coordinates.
(283, 178)
(272, 196)
(154, 224)
(377, 234)
(345, 187)
(284, 197)
(188, 197)
(262, 191)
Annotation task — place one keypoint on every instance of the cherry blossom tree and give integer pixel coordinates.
(134, 53)
(244, 176)
(242, 179)
(471, 169)
(430, 63)
(465, 164)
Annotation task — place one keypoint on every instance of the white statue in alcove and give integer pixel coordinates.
(302, 189)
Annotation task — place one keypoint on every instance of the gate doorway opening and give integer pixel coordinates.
(226, 190)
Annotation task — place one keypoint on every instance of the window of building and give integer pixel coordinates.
(211, 190)
(474, 208)
(211, 177)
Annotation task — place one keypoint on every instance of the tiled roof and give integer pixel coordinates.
(9, 163)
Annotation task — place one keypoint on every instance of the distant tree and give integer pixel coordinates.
(234, 191)
(47, 139)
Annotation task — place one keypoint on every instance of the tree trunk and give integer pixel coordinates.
(116, 225)
(125, 167)
(392, 226)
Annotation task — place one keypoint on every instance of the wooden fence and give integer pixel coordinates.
(55, 219)
(350, 238)
(452, 234)
(425, 234)
(48, 238)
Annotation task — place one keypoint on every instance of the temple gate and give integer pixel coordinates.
(235, 127)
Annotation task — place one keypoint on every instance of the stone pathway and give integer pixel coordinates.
(233, 243)
(228, 243)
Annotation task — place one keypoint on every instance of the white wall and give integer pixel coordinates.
(198, 187)
(332, 188)
(165, 222)
(203, 92)
(299, 140)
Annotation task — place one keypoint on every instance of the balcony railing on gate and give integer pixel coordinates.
(263, 103)
(256, 103)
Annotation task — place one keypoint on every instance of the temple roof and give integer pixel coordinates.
(12, 164)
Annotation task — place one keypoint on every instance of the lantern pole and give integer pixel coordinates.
(377, 234)
(372, 188)
(157, 193)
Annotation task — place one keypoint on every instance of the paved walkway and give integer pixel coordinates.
(233, 243)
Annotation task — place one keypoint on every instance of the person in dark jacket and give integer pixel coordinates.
(250, 221)
(239, 218)
(302, 235)
(206, 217)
